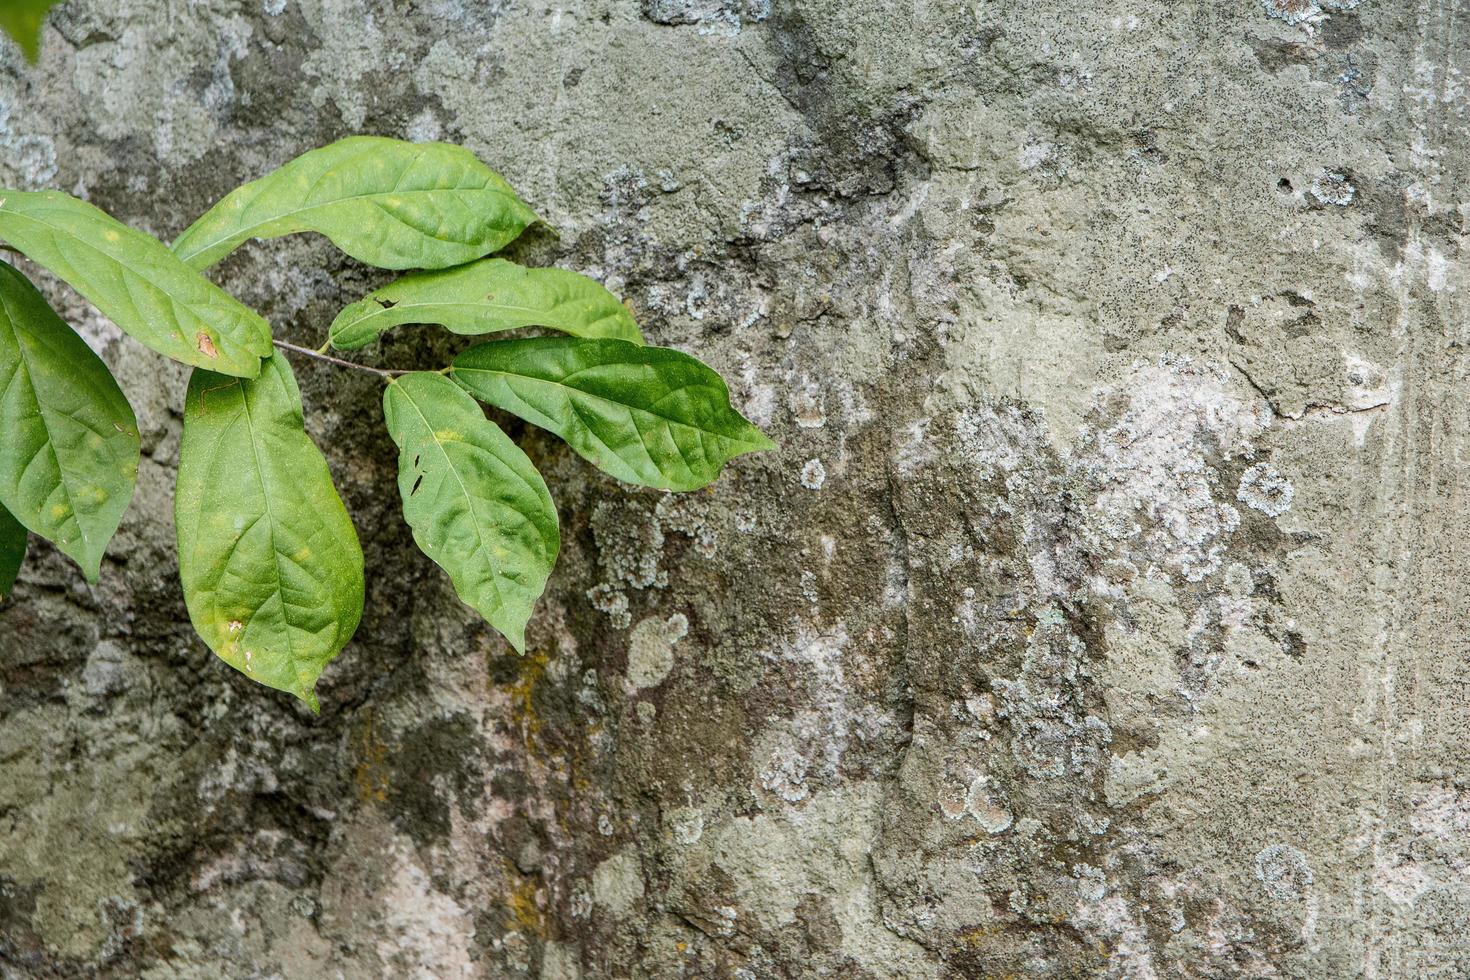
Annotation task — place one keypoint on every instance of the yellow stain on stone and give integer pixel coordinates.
(523, 690)
(523, 907)
(370, 776)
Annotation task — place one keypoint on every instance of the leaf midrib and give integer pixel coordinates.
(243, 234)
(44, 412)
(469, 498)
(470, 305)
(271, 519)
(611, 401)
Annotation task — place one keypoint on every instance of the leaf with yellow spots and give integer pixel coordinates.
(12, 551)
(475, 502)
(269, 559)
(68, 441)
(386, 202)
(136, 282)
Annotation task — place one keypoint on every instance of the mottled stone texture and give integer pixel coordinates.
(1103, 613)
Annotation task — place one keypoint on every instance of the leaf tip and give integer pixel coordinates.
(307, 696)
(29, 40)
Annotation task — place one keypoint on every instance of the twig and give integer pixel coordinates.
(318, 355)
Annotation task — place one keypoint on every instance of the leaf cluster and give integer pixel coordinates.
(270, 563)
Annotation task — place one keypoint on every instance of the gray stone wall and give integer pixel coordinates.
(1103, 613)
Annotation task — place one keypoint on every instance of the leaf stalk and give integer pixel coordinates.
(385, 373)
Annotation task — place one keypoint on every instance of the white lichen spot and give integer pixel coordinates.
(274, 8)
(424, 127)
(1293, 11)
(686, 824)
(1092, 884)
(1284, 871)
(813, 474)
(651, 649)
(809, 589)
(1033, 155)
(617, 884)
(1332, 187)
(807, 407)
(1157, 463)
(696, 300)
(1263, 488)
(785, 772)
(612, 601)
(32, 156)
(424, 932)
(982, 803)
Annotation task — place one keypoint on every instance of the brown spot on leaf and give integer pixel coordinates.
(206, 345)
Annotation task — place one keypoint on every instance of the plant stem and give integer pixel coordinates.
(318, 355)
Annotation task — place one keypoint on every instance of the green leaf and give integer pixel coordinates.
(136, 282)
(68, 440)
(22, 19)
(475, 502)
(269, 559)
(12, 551)
(645, 415)
(385, 202)
(484, 297)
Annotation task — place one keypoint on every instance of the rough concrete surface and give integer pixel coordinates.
(1103, 613)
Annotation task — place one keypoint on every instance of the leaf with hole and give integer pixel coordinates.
(388, 203)
(22, 20)
(136, 282)
(12, 551)
(646, 415)
(270, 562)
(69, 444)
(475, 502)
(484, 297)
